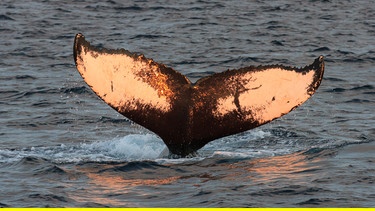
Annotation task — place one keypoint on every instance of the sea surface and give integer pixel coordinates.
(61, 146)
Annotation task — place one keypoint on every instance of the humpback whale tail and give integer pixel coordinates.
(185, 115)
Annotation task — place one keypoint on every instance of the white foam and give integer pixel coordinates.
(232, 143)
(248, 153)
(128, 148)
(139, 147)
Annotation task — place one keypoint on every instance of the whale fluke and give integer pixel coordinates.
(185, 115)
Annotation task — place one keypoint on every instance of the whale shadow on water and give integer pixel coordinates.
(185, 115)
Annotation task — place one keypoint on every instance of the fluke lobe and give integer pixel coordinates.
(185, 115)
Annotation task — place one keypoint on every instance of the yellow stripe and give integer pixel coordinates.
(187, 209)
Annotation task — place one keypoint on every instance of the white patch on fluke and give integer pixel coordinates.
(270, 94)
(116, 79)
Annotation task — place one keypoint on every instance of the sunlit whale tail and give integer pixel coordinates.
(187, 116)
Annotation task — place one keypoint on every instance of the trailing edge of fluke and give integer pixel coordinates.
(189, 115)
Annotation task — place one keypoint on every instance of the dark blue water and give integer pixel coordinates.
(62, 146)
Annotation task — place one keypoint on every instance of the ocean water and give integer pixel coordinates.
(61, 146)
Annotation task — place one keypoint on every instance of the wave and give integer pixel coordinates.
(6, 18)
(134, 147)
(128, 148)
(148, 147)
(367, 88)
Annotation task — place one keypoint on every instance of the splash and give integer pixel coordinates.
(256, 143)
(127, 148)
(250, 144)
